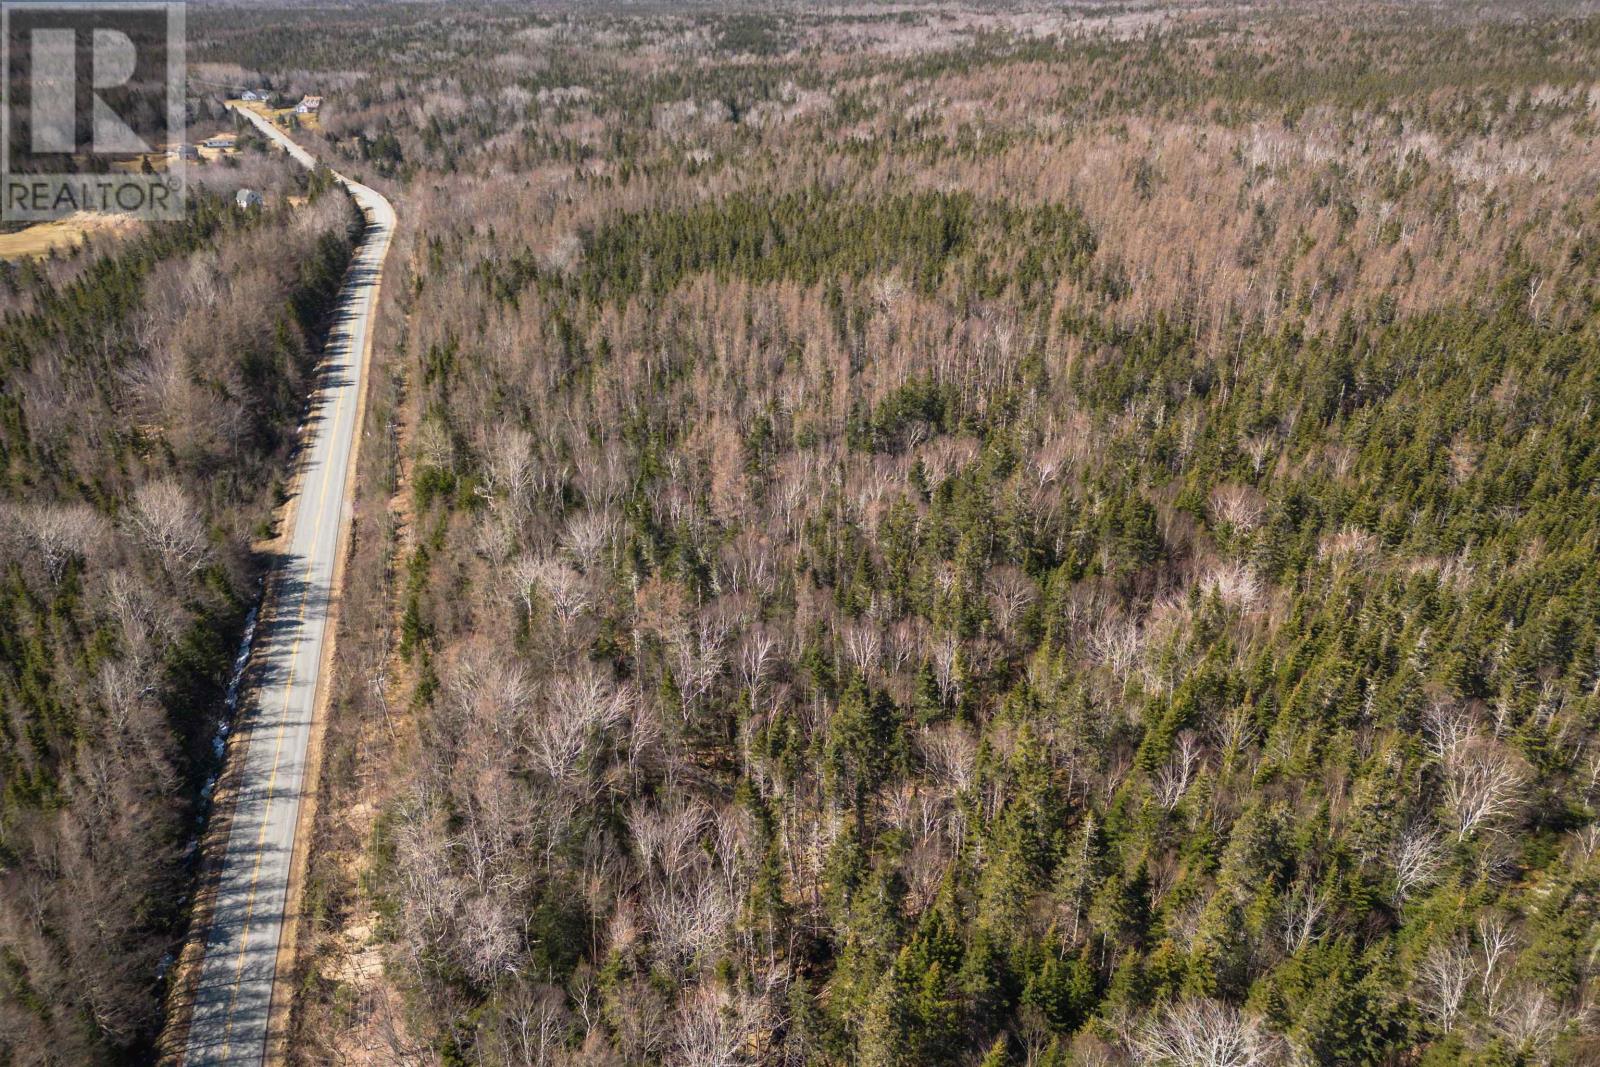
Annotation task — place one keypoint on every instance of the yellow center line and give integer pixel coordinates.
(367, 302)
(283, 724)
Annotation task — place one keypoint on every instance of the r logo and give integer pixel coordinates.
(94, 115)
(55, 89)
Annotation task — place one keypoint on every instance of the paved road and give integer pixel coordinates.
(234, 997)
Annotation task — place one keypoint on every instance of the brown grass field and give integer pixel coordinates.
(276, 114)
(63, 234)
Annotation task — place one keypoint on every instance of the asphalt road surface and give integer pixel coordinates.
(234, 996)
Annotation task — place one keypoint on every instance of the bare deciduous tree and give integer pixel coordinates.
(690, 919)
(1496, 939)
(488, 939)
(1115, 644)
(1174, 779)
(946, 660)
(535, 1026)
(581, 708)
(1531, 1020)
(1204, 1033)
(1418, 855)
(757, 656)
(563, 587)
(1443, 979)
(717, 1028)
(1302, 917)
(1235, 584)
(1484, 786)
(58, 533)
(1011, 591)
(1483, 780)
(863, 643)
(1260, 449)
(509, 467)
(1238, 506)
(586, 537)
(164, 518)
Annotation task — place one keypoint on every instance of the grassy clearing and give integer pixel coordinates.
(278, 114)
(63, 234)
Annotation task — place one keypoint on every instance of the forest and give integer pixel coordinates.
(152, 386)
(996, 534)
(971, 534)
(967, 534)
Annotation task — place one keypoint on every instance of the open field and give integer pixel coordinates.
(63, 234)
(277, 115)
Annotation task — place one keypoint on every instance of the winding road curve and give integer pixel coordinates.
(233, 1001)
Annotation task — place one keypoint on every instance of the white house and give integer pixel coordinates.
(247, 199)
(308, 105)
(253, 96)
